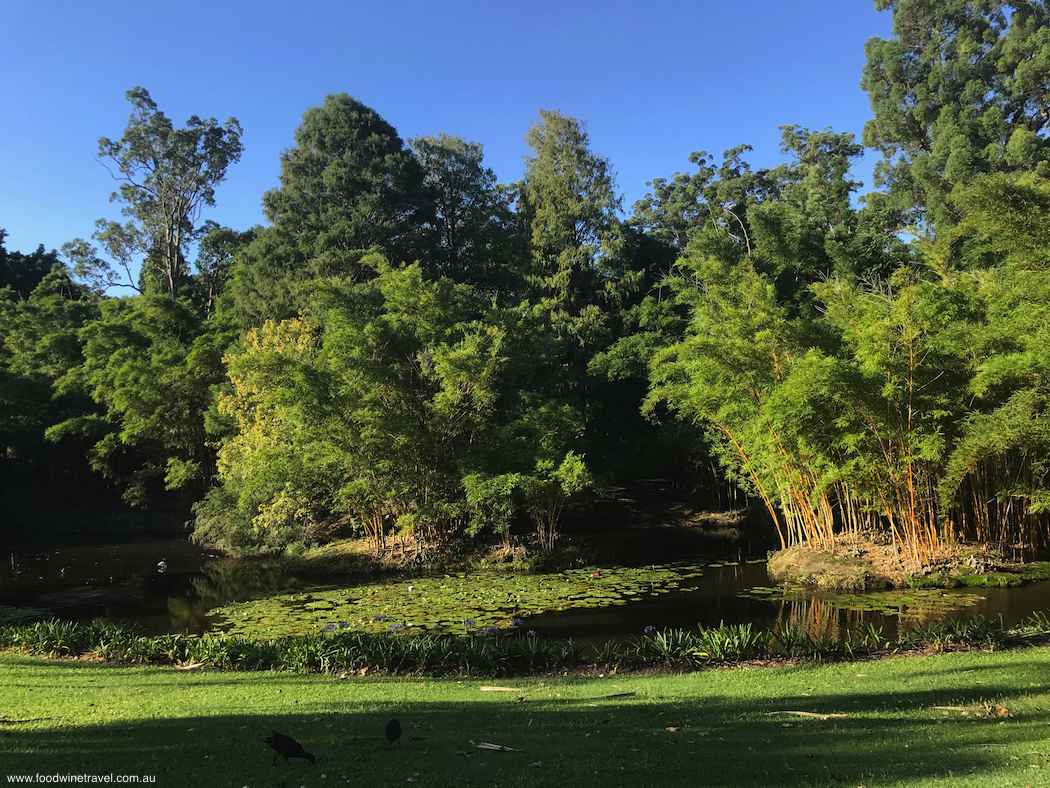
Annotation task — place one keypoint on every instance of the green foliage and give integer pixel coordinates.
(961, 91)
(372, 408)
(38, 345)
(549, 488)
(23, 272)
(472, 238)
(144, 364)
(216, 253)
(348, 186)
(340, 650)
(579, 277)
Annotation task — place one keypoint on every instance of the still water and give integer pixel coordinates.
(168, 585)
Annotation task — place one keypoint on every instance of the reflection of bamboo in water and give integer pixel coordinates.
(823, 621)
(817, 617)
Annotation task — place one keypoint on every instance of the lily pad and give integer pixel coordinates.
(459, 604)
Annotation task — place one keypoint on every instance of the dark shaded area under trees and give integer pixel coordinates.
(410, 347)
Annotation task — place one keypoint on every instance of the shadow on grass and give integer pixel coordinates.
(690, 730)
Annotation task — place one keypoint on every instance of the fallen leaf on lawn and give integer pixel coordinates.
(672, 729)
(500, 689)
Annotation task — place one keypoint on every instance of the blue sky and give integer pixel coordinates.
(655, 80)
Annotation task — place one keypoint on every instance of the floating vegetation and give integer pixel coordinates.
(914, 603)
(486, 599)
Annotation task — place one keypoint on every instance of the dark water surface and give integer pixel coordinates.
(168, 585)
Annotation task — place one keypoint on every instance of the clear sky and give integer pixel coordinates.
(655, 79)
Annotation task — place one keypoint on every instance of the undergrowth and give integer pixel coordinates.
(501, 652)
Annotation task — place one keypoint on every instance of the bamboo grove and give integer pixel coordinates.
(409, 347)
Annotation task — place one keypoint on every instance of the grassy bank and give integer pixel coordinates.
(967, 719)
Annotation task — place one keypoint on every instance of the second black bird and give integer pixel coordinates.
(393, 731)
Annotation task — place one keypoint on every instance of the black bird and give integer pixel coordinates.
(393, 731)
(288, 747)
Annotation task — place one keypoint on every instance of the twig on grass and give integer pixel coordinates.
(807, 714)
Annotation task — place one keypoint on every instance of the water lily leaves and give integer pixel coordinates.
(458, 603)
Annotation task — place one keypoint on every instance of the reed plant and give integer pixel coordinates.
(792, 640)
(733, 641)
(953, 632)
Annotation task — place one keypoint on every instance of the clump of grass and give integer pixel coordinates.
(1037, 625)
(668, 646)
(951, 632)
(735, 641)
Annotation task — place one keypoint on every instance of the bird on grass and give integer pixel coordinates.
(393, 732)
(288, 747)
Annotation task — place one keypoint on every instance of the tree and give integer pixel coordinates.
(568, 199)
(23, 272)
(146, 368)
(216, 254)
(962, 90)
(472, 231)
(168, 176)
(371, 408)
(739, 349)
(578, 278)
(549, 488)
(38, 345)
(348, 186)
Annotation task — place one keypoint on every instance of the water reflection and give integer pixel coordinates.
(829, 624)
(159, 585)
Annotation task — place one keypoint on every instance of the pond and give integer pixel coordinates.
(662, 576)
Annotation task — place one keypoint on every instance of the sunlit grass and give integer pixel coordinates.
(967, 719)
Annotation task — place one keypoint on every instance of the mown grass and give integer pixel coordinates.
(962, 719)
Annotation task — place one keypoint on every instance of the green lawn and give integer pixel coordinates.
(712, 728)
